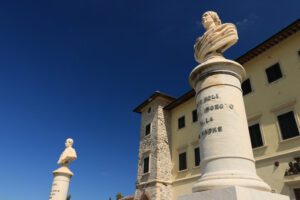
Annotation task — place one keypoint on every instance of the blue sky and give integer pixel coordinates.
(77, 68)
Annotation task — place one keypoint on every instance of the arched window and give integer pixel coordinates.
(144, 197)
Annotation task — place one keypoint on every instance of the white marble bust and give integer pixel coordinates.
(217, 38)
(68, 155)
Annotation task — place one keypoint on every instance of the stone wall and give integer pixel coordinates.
(154, 191)
(155, 184)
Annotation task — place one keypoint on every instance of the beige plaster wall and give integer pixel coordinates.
(267, 97)
(260, 105)
(184, 139)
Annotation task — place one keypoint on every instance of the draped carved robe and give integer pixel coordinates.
(215, 41)
(67, 156)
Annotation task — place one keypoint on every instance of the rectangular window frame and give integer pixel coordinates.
(253, 122)
(195, 157)
(186, 161)
(251, 89)
(266, 75)
(178, 121)
(283, 111)
(194, 116)
(295, 190)
(146, 129)
(149, 164)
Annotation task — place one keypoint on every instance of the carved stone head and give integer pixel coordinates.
(69, 142)
(210, 19)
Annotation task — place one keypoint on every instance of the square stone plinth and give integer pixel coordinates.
(233, 193)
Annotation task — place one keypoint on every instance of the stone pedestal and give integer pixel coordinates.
(225, 147)
(233, 193)
(60, 185)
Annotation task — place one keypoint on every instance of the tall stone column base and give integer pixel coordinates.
(225, 147)
(233, 193)
(60, 185)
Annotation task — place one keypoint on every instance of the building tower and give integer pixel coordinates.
(154, 176)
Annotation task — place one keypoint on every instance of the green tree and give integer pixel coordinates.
(109, 198)
(69, 197)
(119, 196)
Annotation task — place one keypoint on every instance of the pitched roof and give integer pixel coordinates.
(180, 100)
(270, 42)
(152, 98)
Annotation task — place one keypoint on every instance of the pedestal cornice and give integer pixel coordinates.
(63, 170)
(216, 66)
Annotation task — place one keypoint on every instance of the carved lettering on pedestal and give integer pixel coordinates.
(209, 131)
(218, 107)
(206, 121)
(54, 191)
(208, 98)
(210, 108)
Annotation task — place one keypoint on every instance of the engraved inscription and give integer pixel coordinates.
(218, 107)
(205, 120)
(209, 131)
(54, 191)
(208, 98)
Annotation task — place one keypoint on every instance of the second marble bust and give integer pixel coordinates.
(69, 153)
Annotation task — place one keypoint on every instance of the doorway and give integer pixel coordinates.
(145, 197)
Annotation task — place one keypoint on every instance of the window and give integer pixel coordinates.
(148, 128)
(246, 87)
(181, 122)
(299, 52)
(182, 161)
(288, 125)
(146, 165)
(255, 136)
(197, 156)
(273, 73)
(195, 116)
(297, 193)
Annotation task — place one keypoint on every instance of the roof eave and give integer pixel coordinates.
(156, 94)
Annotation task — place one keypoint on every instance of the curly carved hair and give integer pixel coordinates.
(214, 16)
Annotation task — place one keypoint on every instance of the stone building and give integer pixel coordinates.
(169, 158)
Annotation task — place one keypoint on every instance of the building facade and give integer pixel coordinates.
(169, 158)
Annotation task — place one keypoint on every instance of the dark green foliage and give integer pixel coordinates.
(119, 196)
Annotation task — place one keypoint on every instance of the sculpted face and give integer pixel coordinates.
(207, 20)
(69, 142)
